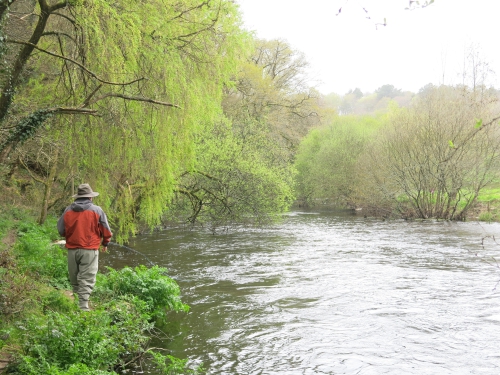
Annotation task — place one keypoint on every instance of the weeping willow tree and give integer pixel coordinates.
(111, 93)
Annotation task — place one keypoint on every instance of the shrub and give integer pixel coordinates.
(151, 285)
(37, 254)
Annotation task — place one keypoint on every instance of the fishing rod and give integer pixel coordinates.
(135, 251)
(62, 242)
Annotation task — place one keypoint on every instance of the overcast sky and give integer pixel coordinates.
(348, 50)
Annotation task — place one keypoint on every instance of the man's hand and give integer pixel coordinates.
(104, 249)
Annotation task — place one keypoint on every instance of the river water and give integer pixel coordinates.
(332, 293)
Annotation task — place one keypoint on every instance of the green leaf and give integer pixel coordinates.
(479, 123)
(452, 145)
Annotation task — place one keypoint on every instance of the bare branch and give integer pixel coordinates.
(205, 3)
(30, 173)
(64, 16)
(87, 101)
(49, 33)
(471, 136)
(73, 111)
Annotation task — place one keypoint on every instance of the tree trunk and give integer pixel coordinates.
(15, 73)
(49, 182)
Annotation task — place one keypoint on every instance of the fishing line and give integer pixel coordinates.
(135, 251)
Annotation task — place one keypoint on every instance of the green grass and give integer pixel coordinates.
(489, 195)
(489, 201)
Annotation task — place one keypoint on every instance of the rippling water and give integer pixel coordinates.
(325, 293)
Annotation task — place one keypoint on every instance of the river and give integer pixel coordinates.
(332, 293)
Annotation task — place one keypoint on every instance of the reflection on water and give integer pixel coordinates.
(325, 293)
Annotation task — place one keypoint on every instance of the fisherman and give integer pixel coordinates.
(86, 229)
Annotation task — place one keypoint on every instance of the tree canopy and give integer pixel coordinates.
(111, 93)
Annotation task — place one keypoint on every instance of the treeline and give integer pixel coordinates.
(171, 110)
(430, 159)
(356, 102)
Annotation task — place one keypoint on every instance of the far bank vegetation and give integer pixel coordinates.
(437, 157)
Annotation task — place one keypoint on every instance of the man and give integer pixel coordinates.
(85, 227)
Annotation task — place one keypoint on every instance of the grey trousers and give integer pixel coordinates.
(82, 267)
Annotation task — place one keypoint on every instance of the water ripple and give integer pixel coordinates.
(334, 294)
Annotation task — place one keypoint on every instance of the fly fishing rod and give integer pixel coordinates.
(135, 251)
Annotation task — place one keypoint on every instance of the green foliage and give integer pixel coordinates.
(243, 170)
(18, 292)
(49, 334)
(356, 102)
(37, 254)
(182, 54)
(169, 365)
(56, 300)
(150, 285)
(241, 175)
(27, 127)
(135, 152)
(487, 216)
(489, 195)
(97, 339)
(328, 156)
(6, 224)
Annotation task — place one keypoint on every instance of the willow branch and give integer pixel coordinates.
(81, 66)
(56, 33)
(30, 173)
(205, 3)
(87, 100)
(73, 111)
(134, 98)
(210, 177)
(64, 16)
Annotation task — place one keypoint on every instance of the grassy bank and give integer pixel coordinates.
(488, 208)
(42, 330)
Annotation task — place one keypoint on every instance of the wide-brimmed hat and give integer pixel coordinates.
(85, 191)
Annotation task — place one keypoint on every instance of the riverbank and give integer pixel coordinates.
(42, 330)
(486, 208)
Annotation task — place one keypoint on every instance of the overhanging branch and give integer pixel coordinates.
(81, 66)
(134, 98)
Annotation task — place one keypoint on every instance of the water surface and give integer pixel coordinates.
(330, 293)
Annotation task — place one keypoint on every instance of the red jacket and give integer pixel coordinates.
(84, 225)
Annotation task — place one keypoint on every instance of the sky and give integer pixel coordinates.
(416, 47)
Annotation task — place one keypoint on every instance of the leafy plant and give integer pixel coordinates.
(97, 339)
(169, 365)
(151, 285)
(37, 253)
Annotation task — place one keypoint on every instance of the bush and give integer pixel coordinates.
(151, 285)
(38, 255)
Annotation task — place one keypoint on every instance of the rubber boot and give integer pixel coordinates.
(84, 305)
